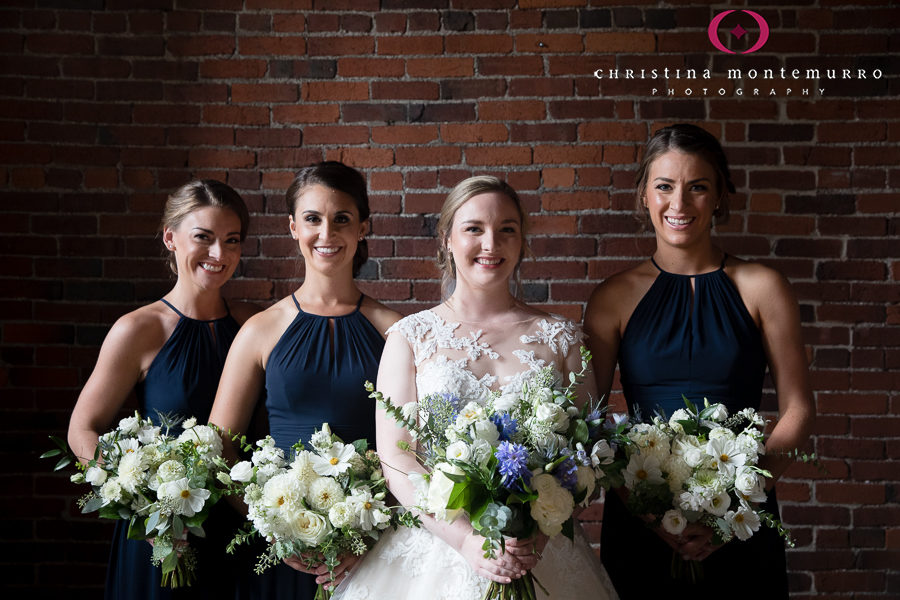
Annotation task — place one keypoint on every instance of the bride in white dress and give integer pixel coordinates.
(479, 340)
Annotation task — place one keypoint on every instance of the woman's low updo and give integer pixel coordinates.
(336, 176)
(688, 139)
(200, 194)
(459, 195)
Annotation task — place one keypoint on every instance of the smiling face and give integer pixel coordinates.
(327, 227)
(486, 240)
(207, 246)
(681, 197)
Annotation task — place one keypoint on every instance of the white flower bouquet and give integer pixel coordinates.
(515, 465)
(701, 465)
(328, 501)
(162, 484)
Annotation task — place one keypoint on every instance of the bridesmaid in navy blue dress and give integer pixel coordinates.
(693, 320)
(308, 356)
(171, 353)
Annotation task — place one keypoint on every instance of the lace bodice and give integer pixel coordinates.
(470, 361)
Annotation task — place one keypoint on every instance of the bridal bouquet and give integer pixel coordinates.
(162, 484)
(700, 465)
(325, 503)
(515, 464)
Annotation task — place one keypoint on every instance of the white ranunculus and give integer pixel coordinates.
(554, 415)
(111, 491)
(130, 425)
(718, 504)
(679, 415)
(310, 527)
(188, 501)
(459, 451)
(553, 506)
(744, 522)
(484, 429)
(242, 471)
(587, 482)
(720, 433)
(642, 467)
(602, 453)
(439, 490)
(674, 522)
(342, 515)
(324, 493)
(677, 470)
(303, 468)
(170, 471)
(205, 439)
(95, 476)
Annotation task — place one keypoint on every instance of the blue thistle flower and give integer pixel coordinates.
(506, 425)
(513, 459)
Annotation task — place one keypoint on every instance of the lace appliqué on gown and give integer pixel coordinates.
(414, 564)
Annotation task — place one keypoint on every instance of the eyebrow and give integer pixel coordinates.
(315, 212)
(205, 230)
(667, 180)
(477, 222)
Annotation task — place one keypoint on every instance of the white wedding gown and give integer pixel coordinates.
(469, 360)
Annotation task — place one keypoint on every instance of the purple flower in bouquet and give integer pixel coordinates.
(513, 465)
(566, 473)
(506, 425)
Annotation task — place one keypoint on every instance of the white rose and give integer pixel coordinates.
(554, 415)
(674, 522)
(170, 471)
(554, 504)
(130, 425)
(459, 451)
(505, 402)
(310, 528)
(439, 491)
(485, 430)
(242, 471)
(95, 476)
(679, 415)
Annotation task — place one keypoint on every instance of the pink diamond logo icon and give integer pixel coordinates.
(738, 32)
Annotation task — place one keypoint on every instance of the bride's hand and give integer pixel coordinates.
(527, 551)
(695, 542)
(321, 571)
(503, 569)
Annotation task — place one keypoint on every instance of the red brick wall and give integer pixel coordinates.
(104, 109)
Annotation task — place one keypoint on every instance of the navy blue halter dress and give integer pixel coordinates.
(182, 380)
(700, 342)
(316, 374)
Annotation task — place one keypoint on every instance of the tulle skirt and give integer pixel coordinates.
(414, 564)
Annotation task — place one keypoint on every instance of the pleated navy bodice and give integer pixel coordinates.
(184, 375)
(316, 374)
(702, 343)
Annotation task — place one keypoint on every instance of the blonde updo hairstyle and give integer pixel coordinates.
(196, 195)
(688, 139)
(459, 195)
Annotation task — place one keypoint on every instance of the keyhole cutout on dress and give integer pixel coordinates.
(331, 339)
(212, 331)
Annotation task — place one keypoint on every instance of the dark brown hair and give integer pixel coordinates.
(336, 176)
(689, 139)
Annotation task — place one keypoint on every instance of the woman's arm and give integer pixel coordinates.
(779, 318)
(125, 353)
(601, 328)
(397, 381)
